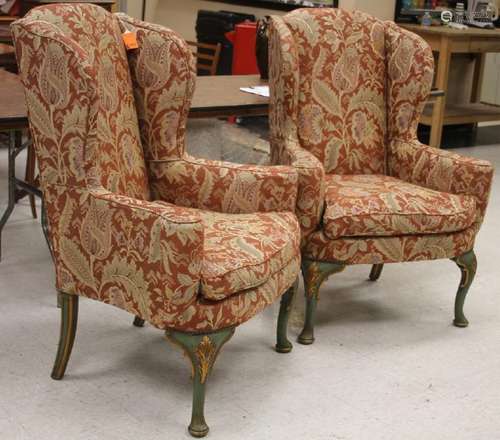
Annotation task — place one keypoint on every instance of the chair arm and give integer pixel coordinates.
(223, 186)
(141, 256)
(442, 171)
(311, 185)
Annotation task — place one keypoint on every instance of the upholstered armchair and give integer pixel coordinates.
(193, 247)
(347, 91)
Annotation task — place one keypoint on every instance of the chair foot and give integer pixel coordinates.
(283, 345)
(202, 351)
(306, 337)
(314, 273)
(376, 272)
(138, 322)
(69, 320)
(468, 265)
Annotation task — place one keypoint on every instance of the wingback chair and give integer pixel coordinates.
(347, 91)
(194, 247)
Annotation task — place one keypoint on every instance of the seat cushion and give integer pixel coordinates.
(243, 251)
(375, 205)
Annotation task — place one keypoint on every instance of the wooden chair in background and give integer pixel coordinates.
(207, 56)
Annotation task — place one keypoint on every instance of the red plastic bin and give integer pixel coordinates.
(243, 38)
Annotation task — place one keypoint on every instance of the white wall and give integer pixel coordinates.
(181, 15)
(383, 9)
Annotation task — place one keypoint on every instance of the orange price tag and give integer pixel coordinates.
(130, 40)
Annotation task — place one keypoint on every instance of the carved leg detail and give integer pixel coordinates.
(467, 264)
(314, 273)
(376, 272)
(69, 319)
(283, 345)
(202, 351)
(138, 322)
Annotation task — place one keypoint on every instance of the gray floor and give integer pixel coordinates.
(387, 363)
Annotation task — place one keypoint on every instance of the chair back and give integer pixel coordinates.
(331, 86)
(80, 101)
(207, 57)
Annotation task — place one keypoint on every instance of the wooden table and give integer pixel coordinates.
(446, 41)
(215, 96)
(220, 96)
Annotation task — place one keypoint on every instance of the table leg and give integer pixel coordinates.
(438, 113)
(30, 175)
(477, 82)
(11, 184)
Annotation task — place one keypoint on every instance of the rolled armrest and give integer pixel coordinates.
(141, 256)
(223, 186)
(442, 170)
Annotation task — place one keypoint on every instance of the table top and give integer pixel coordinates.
(12, 107)
(214, 96)
(452, 33)
(221, 95)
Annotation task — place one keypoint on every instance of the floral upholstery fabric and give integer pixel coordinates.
(111, 241)
(340, 115)
(229, 188)
(350, 89)
(80, 105)
(164, 74)
(243, 251)
(409, 79)
(442, 170)
(372, 205)
(377, 250)
(286, 149)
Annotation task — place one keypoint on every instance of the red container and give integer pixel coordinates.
(243, 38)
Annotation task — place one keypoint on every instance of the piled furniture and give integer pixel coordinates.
(347, 91)
(133, 220)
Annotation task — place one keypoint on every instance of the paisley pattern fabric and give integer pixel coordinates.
(113, 244)
(243, 251)
(285, 146)
(224, 187)
(371, 205)
(164, 74)
(442, 170)
(377, 250)
(409, 79)
(350, 89)
(341, 108)
(82, 108)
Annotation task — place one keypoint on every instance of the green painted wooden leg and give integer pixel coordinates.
(202, 350)
(69, 319)
(283, 345)
(138, 322)
(468, 265)
(314, 273)
(376, 272)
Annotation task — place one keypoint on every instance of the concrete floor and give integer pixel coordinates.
(387, 363)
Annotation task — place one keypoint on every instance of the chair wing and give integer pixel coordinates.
(409, 80)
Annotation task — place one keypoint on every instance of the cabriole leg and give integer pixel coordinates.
(314, 273)
(376, 272)
(283, 345)
(467, 264)
(69, 319)
(202, 350)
